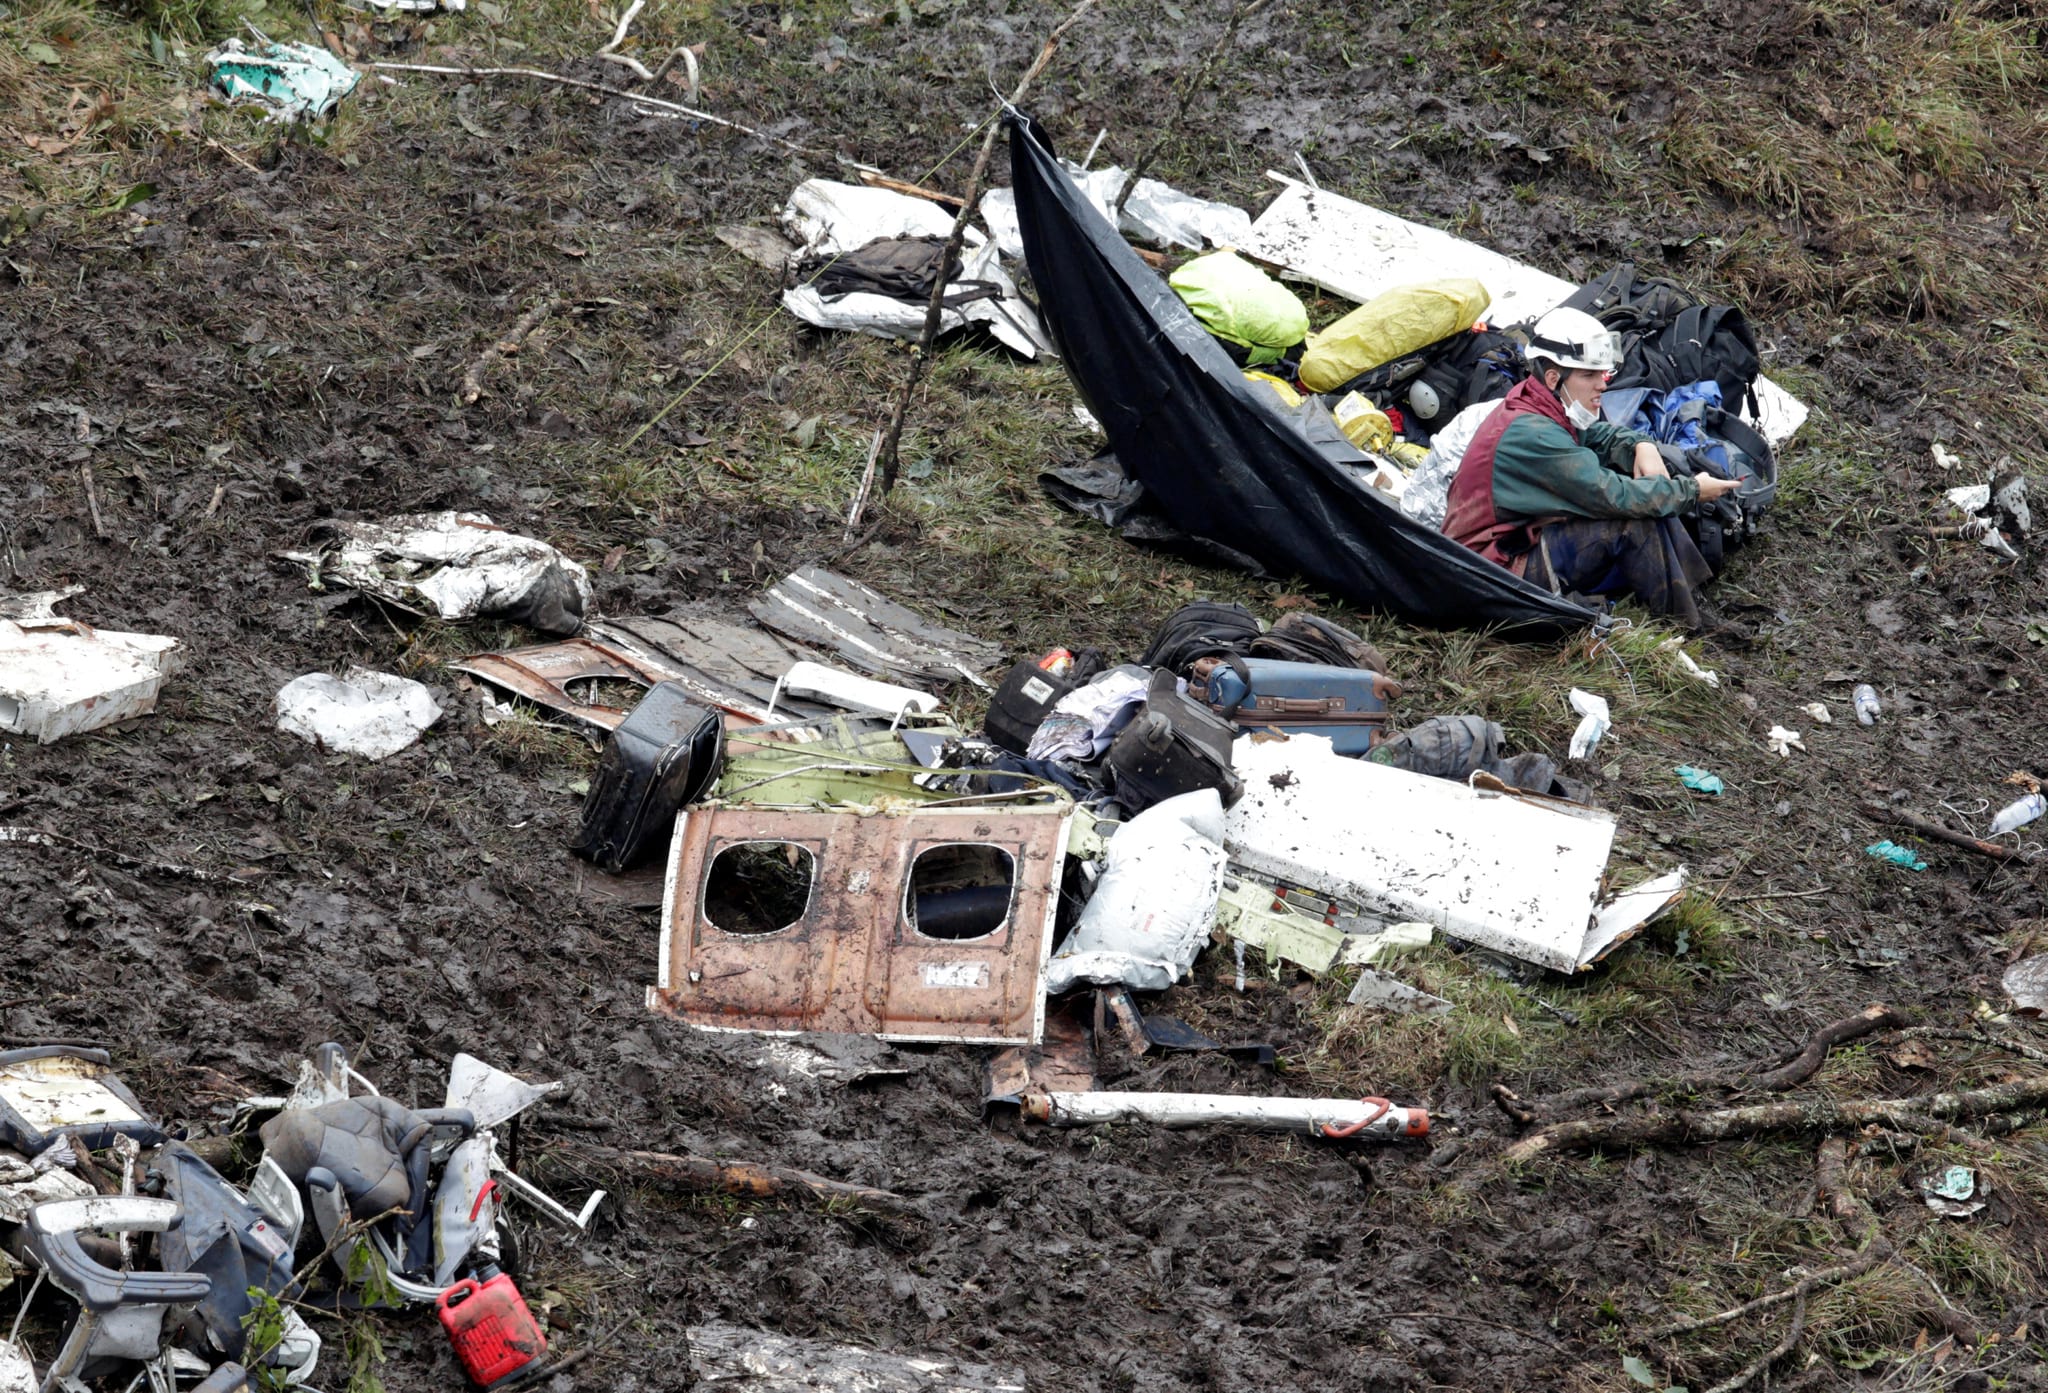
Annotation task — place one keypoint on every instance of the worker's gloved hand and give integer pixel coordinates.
(364, 1142)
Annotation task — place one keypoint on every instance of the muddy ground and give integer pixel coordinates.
(274, 333)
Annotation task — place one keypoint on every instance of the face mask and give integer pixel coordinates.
(1580, 416)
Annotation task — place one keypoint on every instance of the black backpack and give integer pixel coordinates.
(1204, 629)
(1668, 338)
(1725, 524)
(1302, 638)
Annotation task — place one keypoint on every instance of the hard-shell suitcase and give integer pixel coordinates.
(1349, 705)
(661, 757)
(1021, 705)
(1172, 746)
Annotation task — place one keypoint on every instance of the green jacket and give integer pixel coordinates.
(1539, 471)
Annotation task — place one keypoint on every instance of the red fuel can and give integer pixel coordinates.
(494, 1334)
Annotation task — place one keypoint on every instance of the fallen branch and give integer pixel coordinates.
(1899, 818)
(1797, 1070)
(969, 199)
(1977, 1037)
(473, 380)
(703, 1175)
(625, 23)
(1902, 1114)
(882, 181)
(581, 84)
(1771, 1356)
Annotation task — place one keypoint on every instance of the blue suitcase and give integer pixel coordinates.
(1346, 704)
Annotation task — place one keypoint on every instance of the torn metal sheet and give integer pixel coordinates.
(1064, 1062)
(1378, 990)
(1357, 251)
(736, 1360)
(913, 924)
(454, 565)
(875, 634)
(59, 677)
(838, 767)
(1505, 871)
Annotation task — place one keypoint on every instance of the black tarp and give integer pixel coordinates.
(1219, 458)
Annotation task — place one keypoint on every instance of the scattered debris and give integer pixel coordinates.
(1699, 780)
(754, 1180)
(1819, 711)
(1514, 872)
(2026, 982)
(1954, 1193)
(849, 692)
(294, 82)
(2019, 813)
(874, 634)
(1316, 933)
(761, 1361)
(1335, 1118)
(1153, 906)
(60, 677)
(1594, 722)
(454, 565)
(1783, 742)
(1897, 855)
(1377, 990)
(372, 714)
(1943, 459)
(1676, 647)
(1867, 707)
(50, 1091)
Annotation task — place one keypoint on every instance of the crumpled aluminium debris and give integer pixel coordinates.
(455, 565)
(1156, 214)
(297, 82)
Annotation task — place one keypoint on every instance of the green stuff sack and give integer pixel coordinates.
(1241, 304)
(1391, 324)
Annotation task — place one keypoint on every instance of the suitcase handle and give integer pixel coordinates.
(1299, 706)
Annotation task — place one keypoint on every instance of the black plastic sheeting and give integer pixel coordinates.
(1220, 459)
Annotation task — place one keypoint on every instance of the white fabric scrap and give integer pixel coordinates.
(367, 713)
(1819, 711)
(827, 217)
(1783, 742)
(1677, 646)
(1008, 315)
(1594, 721)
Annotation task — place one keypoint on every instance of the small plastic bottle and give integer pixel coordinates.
(2019, 814)
(1867, 709)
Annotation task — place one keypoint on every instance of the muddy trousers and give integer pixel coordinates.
(1655, 559)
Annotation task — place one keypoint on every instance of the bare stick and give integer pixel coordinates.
(879, 181)
(969, 198)
(1802, 1067)
(1194, 84)
(1897, 818)
(638, 68)
(1827, 1117)
(677, 108)
(92, 500)
(759, 1180)
(867, 481)
(473, 380)
(689, 58)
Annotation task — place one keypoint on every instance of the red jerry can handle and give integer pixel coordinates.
(457, 1294)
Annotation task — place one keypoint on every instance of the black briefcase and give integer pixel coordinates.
(1172, 746)
(662, 757)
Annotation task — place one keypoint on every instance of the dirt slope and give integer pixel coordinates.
(273, 333)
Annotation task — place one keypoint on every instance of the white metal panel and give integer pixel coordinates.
(1494, 869)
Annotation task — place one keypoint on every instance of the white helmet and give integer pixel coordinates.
(1574, 339)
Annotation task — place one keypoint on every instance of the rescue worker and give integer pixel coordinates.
(1574, 503)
